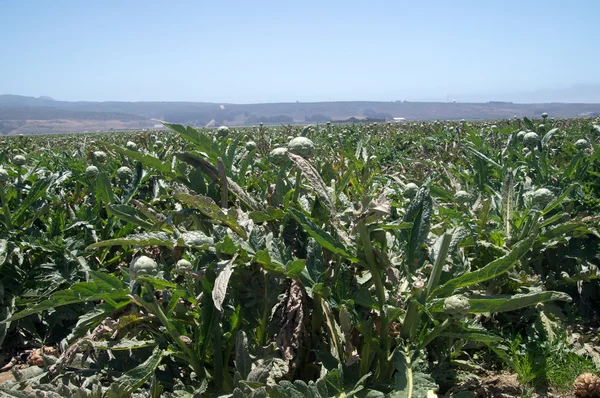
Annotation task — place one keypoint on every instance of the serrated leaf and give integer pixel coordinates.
(209, 208)
(322, 237)
(104, 190)
(492, 270)
(528, 124)
(419, 215)
(221, 282)
(243, 361)
(80, 292)
(270, 214)
(3, 251)
(294, 268)
(38, 189)
(211, 171)
(123, 344)
(195, 239)
(320, 188)
(150, 161)
(227, 246)
(144, 239)
(492, 304)
(129, 214)
(202, 142)
(136, 377)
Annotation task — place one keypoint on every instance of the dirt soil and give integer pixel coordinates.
(498, 385)
(6, 376)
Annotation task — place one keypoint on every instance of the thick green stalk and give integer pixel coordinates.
(297, 186)
(412, 319)
(261, 333)
(155, 308)
(435, 333)
(317, 318)
(6, 210)
(278, 196)
(379, 289)
(365, 359)
(440, 260)
(224, 187)
(19, 194)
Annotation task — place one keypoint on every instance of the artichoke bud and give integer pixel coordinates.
(457, 306)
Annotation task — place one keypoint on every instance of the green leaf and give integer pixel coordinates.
(106, 282)
(492, 270)
(563, 229)
(270, 214)
(195, 239)
(482, 157)
(314, 271)
(209, 208)
(221, 282)
(129, 214)
(557, 202)
(546, 138)
(150, 161)
(419, 215)
(123, 344)
(201, 141)
(104, 188)
(213, 173)
(37, 191)
(263, 258)
(492, 304)
(3, 251)
(103, 288)
(143, 239)
(321, 236)
(396, 226)
(294, 268)
(243, 362)
(227, 246)
(136, 377)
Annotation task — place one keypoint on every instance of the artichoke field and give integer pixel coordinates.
(379, 260)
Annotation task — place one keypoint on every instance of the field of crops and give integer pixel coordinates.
(402, 260)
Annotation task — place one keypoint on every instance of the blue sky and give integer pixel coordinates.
(268, 51)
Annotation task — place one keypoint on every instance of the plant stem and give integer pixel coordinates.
(262, 331)
(6, 210)
(435, 333)
(440, 260)
(317, 317)
(297, 186)
(155, 308)
(379, 290)
(224, 188)
(19, 186)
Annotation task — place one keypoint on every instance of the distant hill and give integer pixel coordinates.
(24, 114)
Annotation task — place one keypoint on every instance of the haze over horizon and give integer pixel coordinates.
(238, 52)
